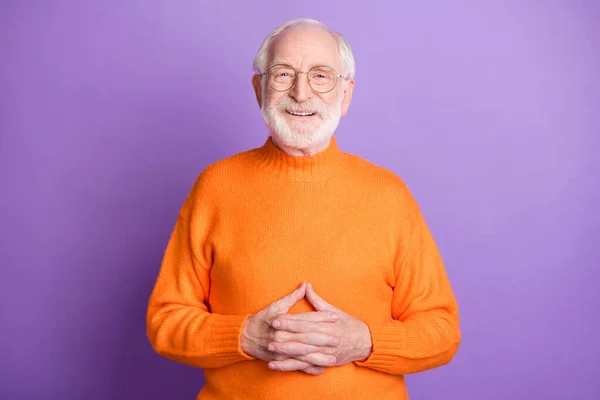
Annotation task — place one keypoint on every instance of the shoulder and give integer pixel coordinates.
(378, 178)
(228, 170)
(216, 177)
(387, 190)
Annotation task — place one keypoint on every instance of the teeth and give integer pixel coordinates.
(301, 114)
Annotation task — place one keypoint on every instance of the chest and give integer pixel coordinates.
(264, 251)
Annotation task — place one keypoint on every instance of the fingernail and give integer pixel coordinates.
(332, 360)
(276, 324)
(271, 347)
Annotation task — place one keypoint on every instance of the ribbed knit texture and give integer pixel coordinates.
(256, 225)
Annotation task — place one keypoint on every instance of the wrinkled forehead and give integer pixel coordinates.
(304, 47)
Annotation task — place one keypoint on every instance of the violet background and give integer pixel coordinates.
(489, 110)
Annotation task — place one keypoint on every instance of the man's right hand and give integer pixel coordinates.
(258, 332)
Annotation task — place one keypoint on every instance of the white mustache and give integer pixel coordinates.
(310, 106)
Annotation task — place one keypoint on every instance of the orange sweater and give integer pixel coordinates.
(255, 226)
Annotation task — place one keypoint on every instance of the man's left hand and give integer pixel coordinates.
(295, 334)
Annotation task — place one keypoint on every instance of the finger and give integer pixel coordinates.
(317, 302)
(318, 316)
(314, 370)
(284, 350)
(293, 348)
(284, 304)
(318, 359)
(303, 362)
(278, 357)
(285, 324)
(310, 338)
(289, 364)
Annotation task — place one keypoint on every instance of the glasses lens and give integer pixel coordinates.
(322, 79)
(281, 77)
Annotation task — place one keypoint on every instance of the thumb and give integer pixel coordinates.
(285, 303)
(317, 302)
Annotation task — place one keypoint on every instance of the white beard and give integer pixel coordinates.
(302, 134)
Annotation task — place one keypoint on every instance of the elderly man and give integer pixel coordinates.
(295, 270)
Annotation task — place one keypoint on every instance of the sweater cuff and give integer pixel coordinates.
(225, 338)
(386, 346)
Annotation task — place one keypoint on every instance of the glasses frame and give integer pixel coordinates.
(296, 72)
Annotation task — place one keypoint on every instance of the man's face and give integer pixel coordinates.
(300, 117)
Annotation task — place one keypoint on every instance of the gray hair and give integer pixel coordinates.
(260, 60)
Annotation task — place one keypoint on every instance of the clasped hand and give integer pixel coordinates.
(305, 342)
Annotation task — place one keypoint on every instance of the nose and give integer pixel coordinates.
(301, 91)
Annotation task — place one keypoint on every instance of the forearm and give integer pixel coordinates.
(179, 323)
(190, 335)
(422, 342)
(424, 331)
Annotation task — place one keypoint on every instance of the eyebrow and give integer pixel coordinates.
(278, 61)
(281, 61)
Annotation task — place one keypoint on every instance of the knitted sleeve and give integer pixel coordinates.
(423, 332)
(179, 323)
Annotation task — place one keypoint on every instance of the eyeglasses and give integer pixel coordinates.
(321, 78)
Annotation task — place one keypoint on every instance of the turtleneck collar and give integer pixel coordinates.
(318, 167)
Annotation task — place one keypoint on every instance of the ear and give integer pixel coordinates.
(257, 84)
(348, 87)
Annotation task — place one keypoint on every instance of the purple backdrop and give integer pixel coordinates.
(490, 111)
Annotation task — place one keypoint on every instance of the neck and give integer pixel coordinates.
(322, 165)
(300, 151)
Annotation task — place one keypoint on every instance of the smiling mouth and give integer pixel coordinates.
(301, 114)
